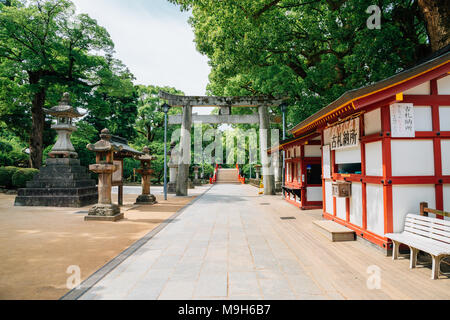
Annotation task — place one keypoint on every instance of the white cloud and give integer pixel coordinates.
(154, 40)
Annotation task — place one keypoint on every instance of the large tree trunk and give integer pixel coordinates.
(437, 20)
(38, 121)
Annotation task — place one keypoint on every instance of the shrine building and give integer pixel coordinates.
(373, 155)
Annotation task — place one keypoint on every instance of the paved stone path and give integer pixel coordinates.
(224, 246)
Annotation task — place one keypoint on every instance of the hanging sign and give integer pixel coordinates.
(326, 162)
(344, 135)
(402, 120)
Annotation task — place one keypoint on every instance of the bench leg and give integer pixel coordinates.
(436, 270)
(395, 250)
(413, 258)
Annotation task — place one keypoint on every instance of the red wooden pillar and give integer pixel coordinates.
(363, 175)
(437, 150)
(387, 169)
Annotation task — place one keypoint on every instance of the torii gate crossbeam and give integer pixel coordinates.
(225, 103)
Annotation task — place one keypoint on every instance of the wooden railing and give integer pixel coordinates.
(424, 211)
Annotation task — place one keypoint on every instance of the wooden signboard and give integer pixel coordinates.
(344, 135)
(402, 120)
(117, 177)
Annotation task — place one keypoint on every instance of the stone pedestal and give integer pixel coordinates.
(105, 210)
(146, 198)
(61, 183)
(191, 184)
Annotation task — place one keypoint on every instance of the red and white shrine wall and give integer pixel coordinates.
(303, 173)
(399, 158)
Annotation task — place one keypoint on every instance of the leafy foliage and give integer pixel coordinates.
(311, 51)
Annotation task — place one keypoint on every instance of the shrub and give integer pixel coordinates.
(22, 176)
(6, 175)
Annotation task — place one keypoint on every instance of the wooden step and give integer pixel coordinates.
(334, 231)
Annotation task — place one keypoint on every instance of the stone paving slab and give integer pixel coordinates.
(215, 250)
(227, 246)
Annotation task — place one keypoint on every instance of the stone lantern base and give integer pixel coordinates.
(146, 199)
(191, 184)
(104, 212)
(61, 183)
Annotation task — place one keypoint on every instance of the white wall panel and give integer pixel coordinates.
(341, 207)
(423, 118)
(444, 117)
(314, 194)
(422, 89)
(372, 122)
(313, 151)
(329, 197)
(350, 155)
(447, 199)
(444, 85)
(356, 205)
(374, 159)
(412, 158)
(407, 199)
(375, 209)
(445, 150)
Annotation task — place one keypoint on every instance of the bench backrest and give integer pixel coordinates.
(430, 228)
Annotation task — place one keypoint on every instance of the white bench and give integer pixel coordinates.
(425, 234)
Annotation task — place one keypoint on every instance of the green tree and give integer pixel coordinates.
(311, 51)
(47, 48)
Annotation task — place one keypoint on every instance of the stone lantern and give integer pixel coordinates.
(197, 181)
(145, 171)
(64, 127)
(105, 210)
(258, 171)
(63, 181)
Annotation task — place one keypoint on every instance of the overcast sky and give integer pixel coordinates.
(154, 39)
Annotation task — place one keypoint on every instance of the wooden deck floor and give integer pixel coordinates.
(343, 267)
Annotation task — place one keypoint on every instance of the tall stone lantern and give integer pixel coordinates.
(258, 171)
(63, 181)
(197, 181)
(64, 127)
(105, 210)
(146, 198)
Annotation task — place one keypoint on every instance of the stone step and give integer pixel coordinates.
(334, 231)
(65, 176)
(63, 169)
(60, 201)
(56, 192)
(61, 184)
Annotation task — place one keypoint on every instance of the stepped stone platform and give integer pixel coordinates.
(334, 231)
(61, 183)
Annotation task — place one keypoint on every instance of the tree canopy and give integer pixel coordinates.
(311, 51)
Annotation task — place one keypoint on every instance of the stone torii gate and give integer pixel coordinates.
(225, 117)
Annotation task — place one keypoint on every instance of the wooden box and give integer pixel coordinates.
(342, 189)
